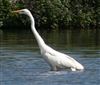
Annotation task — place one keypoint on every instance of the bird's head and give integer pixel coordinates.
(26, 12)
(22, 11)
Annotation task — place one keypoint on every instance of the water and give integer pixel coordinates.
(22, 64)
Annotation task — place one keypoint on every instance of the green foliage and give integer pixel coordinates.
(4, 10)
(57, 13)
(7, 18)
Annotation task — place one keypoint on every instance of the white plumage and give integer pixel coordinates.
(55, 59)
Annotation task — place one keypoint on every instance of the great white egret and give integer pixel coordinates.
(55, 59)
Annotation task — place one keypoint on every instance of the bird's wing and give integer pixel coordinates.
(60, 59)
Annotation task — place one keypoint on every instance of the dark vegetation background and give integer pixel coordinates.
(52, 13)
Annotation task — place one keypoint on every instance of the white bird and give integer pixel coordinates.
(55, 59)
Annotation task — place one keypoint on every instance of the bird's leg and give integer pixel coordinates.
(53, 68)
(73, 69)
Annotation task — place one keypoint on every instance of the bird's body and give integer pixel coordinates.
(54, 58)
(58, 60)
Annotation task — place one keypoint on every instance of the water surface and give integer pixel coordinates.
(22, 64)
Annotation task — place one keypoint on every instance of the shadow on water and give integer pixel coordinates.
(22, 64)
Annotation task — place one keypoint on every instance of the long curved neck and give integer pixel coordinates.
(40, 41)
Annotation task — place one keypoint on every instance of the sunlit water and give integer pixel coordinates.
(22, 64)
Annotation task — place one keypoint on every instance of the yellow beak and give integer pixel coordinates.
(17, 11)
